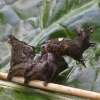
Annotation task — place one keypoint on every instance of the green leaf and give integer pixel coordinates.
(35, 21)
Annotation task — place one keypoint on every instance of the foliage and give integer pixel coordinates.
(35, 21)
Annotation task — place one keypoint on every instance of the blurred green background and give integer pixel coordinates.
(35, 21)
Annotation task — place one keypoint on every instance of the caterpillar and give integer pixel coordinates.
(51, 62)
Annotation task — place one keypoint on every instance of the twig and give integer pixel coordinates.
(55, 87)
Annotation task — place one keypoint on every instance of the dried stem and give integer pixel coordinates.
(55, 87)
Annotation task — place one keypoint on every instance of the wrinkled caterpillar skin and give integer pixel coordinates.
(22, 56)
(46, 69)
(51, 62)
(73, 48)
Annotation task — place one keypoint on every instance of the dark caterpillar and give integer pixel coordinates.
(73, 48)
(51, 63)
(46, 69)
(22, 56)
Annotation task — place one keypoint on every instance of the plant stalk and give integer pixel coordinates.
(55, 87)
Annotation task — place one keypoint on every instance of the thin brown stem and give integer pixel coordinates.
(55, 87)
